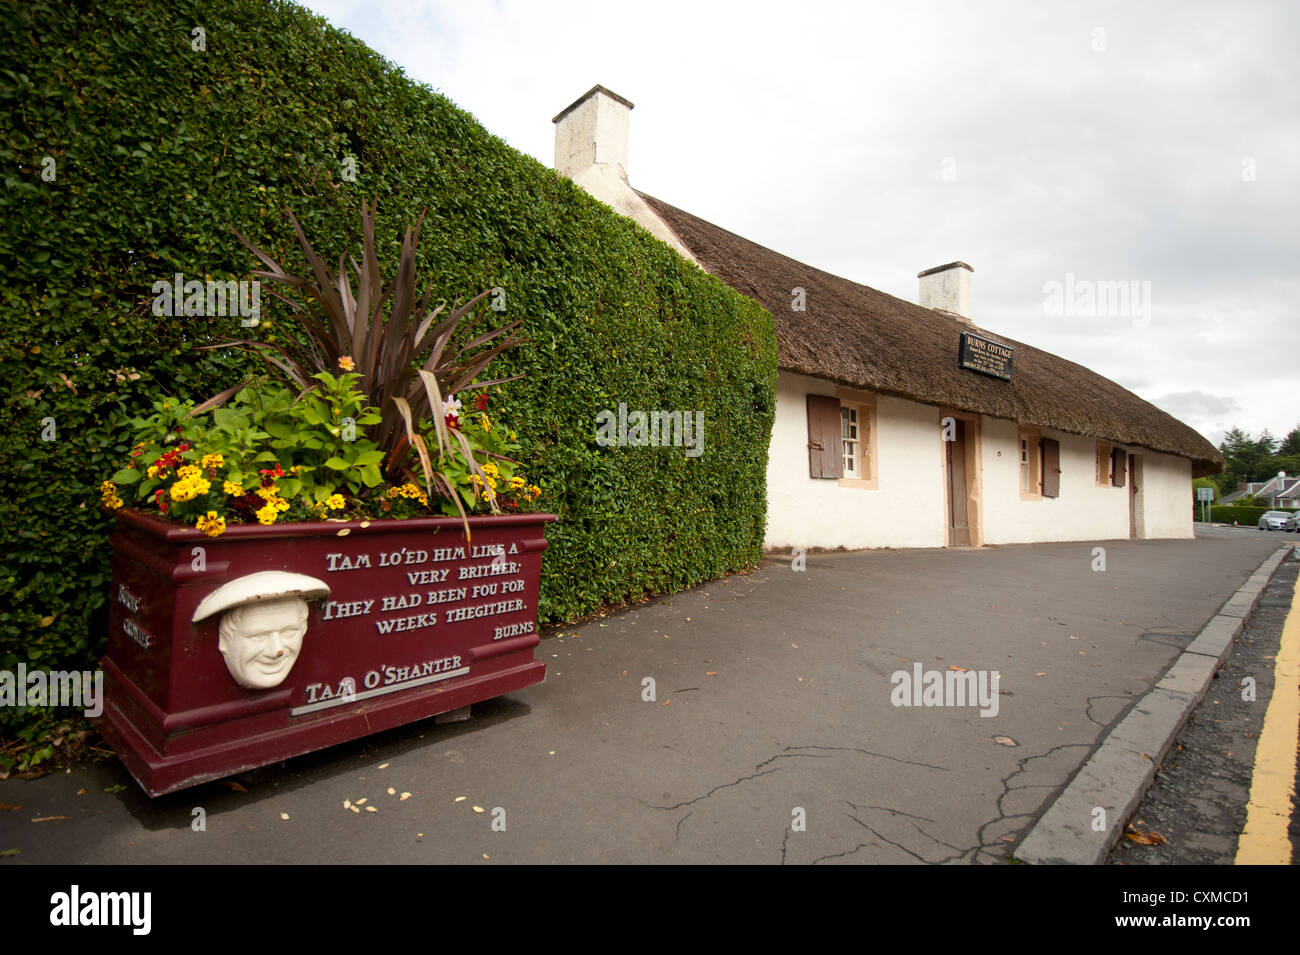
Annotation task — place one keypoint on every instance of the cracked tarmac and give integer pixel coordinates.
(773, 737)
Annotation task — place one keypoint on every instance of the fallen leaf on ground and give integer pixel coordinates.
(383, 765)
(1145, 838)
(284, 815)
(478, 809)
(231, 784)
(486, 856)
(371, 809)
(9, 852)
(392, 791)
(459, 799)
(11, 806)
(49, 818)
(404, 797)
(354, 808)
(1005, 741)
(666, 702)
(711, 673)
(958, 669)
(362, 802)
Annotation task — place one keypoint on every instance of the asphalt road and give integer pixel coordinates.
(772, 736)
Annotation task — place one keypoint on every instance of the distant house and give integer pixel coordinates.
(907, 425)
(1284, 492)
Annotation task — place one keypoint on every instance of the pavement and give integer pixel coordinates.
(771, 736)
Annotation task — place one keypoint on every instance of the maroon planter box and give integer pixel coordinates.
(417, 621)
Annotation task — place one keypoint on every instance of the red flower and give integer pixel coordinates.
(481, 402)
(452, 420)
(158, 499)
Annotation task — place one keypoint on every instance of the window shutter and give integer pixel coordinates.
(1051, 467)
(1118, 457)
(825, 444)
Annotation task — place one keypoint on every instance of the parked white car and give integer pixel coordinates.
(1293, 522)
(1274, 520)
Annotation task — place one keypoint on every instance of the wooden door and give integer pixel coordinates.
(1132, 495)
(958, 517)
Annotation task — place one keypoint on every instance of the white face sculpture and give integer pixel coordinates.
(260, 641)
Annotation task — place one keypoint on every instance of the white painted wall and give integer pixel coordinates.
(908, 508)
(1084, 511)
(1166, 495)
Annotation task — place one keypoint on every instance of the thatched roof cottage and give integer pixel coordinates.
(906, 425)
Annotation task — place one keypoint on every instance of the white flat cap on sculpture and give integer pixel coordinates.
(263, 623)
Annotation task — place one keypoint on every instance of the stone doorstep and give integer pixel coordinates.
(1119, 772)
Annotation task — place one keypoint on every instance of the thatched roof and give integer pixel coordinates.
(862, 338)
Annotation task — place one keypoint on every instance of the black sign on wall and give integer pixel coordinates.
(985, 356)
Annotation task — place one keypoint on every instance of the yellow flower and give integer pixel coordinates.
(346, 363)
(517, 483)
(534, 491)
(393, 492)
(188, 471)
(487, 425)
(280, 504)
(211, 524)
(335, 502)
(266, 493)
(212, 461)
(108, 495)
(268, 514)
(233, 489)
(183, 491)
(153, 470)
(490, 469)
(201, 485)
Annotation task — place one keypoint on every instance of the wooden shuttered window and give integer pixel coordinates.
(825, 443)
(1051, 467)
(1119, 458)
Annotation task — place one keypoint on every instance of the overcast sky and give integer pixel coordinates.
(1154, 144)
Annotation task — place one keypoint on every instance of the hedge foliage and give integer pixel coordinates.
(127, 155)
(1245, 516)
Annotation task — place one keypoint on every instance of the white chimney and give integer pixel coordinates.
(591, 149)
(947, 288)
(593, 132)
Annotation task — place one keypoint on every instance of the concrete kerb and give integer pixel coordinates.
(1121, 769)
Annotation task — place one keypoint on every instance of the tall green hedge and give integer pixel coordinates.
(127, 154)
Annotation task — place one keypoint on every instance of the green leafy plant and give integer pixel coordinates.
(406, 352)
(268, 455)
